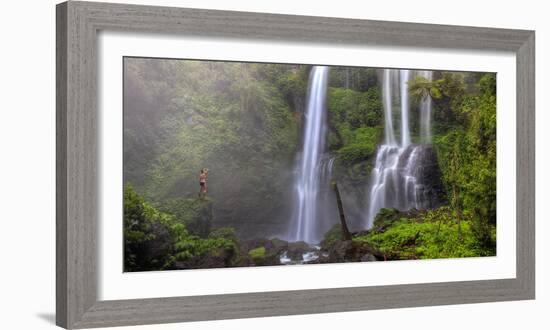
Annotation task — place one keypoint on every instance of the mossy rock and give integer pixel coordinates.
(279, 244)
(262, 251)
(260, 257)
(257, 253)
(352, 251)
(386, 217)
(331, 237)
(296, 250)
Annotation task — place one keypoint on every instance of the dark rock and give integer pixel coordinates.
(368, 257)
(296, 250)
(248, 245)
(279, 244)
(350, 251)
(331, 236)
(263, 259)
(201, 223)
(213, 259)
(353, 184)
(429, 176)
(339, 250)
(273, 250)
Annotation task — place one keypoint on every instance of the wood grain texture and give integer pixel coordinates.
(77, 141)
(525, 165)
(295, 28)
(77, 190)
(61, 166)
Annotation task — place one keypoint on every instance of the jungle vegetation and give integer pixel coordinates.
(243, 122)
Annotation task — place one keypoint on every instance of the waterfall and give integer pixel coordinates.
(426, 113)
(402, 173)
(405, 132)
(387, 101)
(308, 177)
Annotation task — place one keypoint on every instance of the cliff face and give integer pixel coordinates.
(428, 174)
(195, 214)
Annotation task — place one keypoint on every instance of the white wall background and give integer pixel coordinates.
(27, 163)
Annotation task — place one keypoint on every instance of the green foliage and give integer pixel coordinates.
(429, 235)
(144, 228)
(356, 109)
(227, 233)
(421, 88)
(361, 144)
(467, 157)
(195, 213)
(385, 218)
(465, 142)
(240, 120)
(257, 255)
(191, 248)
(155, 240)
(446, 93)
(488, 84)
(355, 120)
(290, 80)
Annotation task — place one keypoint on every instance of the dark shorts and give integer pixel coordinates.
(202, 184)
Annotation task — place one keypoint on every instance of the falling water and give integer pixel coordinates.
(394, 76)
(405, 132)
(308, 178)
(387, 100)
(401, 173)
(426, 113)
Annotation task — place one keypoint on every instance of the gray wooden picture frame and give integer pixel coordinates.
(78, 24)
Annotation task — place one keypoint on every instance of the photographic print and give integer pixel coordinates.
(233, 164)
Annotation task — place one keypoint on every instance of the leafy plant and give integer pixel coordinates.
(155, 240)
(361, 145)
(427, 235)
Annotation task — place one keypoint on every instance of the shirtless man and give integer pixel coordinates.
(202, 181)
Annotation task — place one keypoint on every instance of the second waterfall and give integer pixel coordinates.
(403, 172)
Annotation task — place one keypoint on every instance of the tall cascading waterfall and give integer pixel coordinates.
(405, 132)
(426, 113)
(310, 177)
(405, 174)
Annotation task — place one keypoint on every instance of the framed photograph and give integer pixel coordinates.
(216, 164)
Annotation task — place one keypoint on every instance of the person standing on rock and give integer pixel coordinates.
(202, 181)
